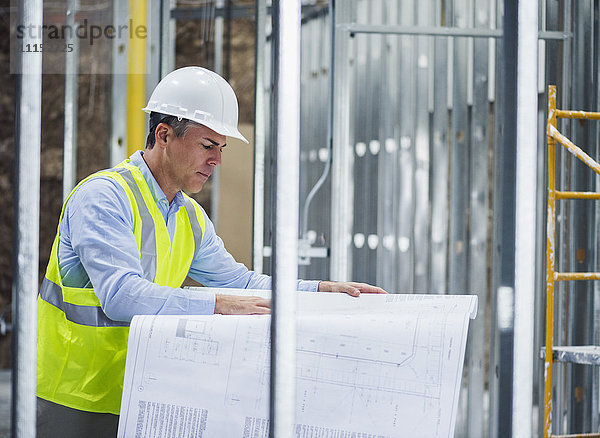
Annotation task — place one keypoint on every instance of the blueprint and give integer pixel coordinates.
(373, 366)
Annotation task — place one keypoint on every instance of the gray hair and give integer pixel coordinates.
(180, 126)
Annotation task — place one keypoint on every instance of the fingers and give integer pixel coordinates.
(262, 306)
(339, 286)
(241, 305)
(367, 288)
(351, 288)
(245, 305)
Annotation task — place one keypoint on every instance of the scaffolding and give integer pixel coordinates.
(588, 355)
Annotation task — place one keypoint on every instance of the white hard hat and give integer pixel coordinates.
(200, 95)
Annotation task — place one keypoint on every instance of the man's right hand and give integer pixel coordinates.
(241, 305)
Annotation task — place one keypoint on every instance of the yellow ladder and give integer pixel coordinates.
(583, 354)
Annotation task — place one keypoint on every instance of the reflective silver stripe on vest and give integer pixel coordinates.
(148, 244)
(84, 315)
(191, 211)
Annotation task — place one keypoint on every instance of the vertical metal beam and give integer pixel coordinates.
(596, 235)
(219, 4)
(27, 209)
(308, 125)
(259, 137)
(458, 245)
(360, 136)
(218, 47)
(459, 158)
(551, 74)
(540, 236)
(321, 212)
(478, 202)
(372, 199)
(167, 38)
(439, 162)
(459, 184)
(550, 267)
(365, 197)
(542, 49)
(118, 119)
(495, 96)
(71, 99)
(580, 320)
(492, 54)
(388, 174)
(406, 153)
(540, 260)
(341, 193)
(563, 262)
(228, 18)
(153, 46)
(527, 51)
(136, 77)
(422, 169)
(286, 16)
(505, 237)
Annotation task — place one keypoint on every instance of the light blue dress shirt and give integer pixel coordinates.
(97, 247)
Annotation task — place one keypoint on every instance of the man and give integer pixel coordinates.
(127, 239)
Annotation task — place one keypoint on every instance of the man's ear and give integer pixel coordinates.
(162, 134)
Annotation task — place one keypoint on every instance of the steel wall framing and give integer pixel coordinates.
(575, 405)
(421, 193)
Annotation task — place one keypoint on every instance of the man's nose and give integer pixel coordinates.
(215, 157)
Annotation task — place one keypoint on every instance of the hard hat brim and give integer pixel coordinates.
(227, 131)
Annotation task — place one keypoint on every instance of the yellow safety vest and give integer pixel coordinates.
(81, 351)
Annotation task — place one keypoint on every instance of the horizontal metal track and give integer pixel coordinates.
(569, 276)
(581, 354)
(578, 435)
(442, 31)
(576, 195)
(567, 114)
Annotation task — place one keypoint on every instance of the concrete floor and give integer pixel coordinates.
(4, 403)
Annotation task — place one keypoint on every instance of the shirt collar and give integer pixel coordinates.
(157, 193)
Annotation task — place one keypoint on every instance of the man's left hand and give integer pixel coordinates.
(349, 287)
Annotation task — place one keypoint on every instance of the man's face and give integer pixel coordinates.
(191, 159)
